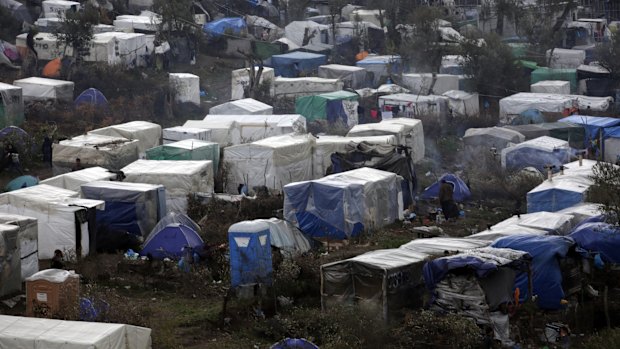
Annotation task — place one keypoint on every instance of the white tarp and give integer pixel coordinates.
(180, 177)
(242, 106)
(241, 78)
(462, 104)
(147, 133)
(58, 8)
(284, 236)
(256, 127)
(364, 15)
(552, 222)
(588, 103)
(36, 333)
(422, 83)
(179, 133)
(325, 146)
(482, 140)
(565, 58)
(498, 232)
(27, 237)
(10, 265)
(186, 87)
(583, 211)
(511, 106)
(42, 89)
(129, 47)
(305, 86)
(551, 86)
(411, 106)
(296, 30)
(73, 180)
(352, 76)
(46, 45)
(272, 162)
(545, 144)
(224, 133)
(12, 101)
(409, 132)
(437, 246)
(93, 150)
(145, 22)
(103, 48)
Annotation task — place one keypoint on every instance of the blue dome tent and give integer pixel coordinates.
(294, 343)
(170, 241)
(21, 182)
(461, 191)
(93, 97)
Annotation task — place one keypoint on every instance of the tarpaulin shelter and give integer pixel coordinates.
(409, 132)
(147, 133)
(271, 162)
(367, 32)
(584, 211)
(240, 78)
(552, 222)
(537, 153)
(130, 207)
(460, 190)
(284, 236)
(170, 241)
(572, 133)
(43, 89)
(10, 264)
(598, 238)
(93, 97)
(11, 105)
(452, 64)
(595, 131)
(294, 343)
(481, 141)
(566, 74)
(529, 116)
(508, 230)
(296, 31)
(47, 45)
(561, 58)
(551, 86)
(353, 77)
(510, 107)
(545, 266)
(250, 254)
(560, 192)
(235, 26)
(296, 64)
(125, 49)
(21, 182)
(304, 86)
(381, 67)
(74, 180)
(345, 204)
(186, 87)
(256, 127)
(145, 22)
(333, 107)
(412, 106)
(462, 104)
(179, 133)
(243, 106)
(52, 69)
(27, 238)
(430, 84)
(224, 133)
(611, 144)
(187, 149)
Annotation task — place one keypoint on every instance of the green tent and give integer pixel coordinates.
(326, 106)
(528, 64)
(542, 74)
(187, 149)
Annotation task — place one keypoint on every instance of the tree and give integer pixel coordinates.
(251, 90)
(606, 189)
(76, 31)
(503, 9)
(175, 16)
(335, 9)
(421, 45)
(608, 55)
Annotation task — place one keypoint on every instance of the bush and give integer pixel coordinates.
(427, 329)
(605, 339)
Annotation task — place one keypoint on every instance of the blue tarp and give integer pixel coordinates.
(121, 216)
(598, 238)
(298, 63)
(250, 254)
(461, 191)
(21, 182)
(546, 275)
(611, 132)
(170, 242)
(518, 158)
(561, 193)
(294, 343)
(93, 97)
(593, 125)
(529, 116)
(229, 25)
(437, 269)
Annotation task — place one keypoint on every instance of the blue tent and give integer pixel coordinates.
(93, 97)
(229, 25)
(170, 241)
(598, 238)
(545, 250)
(21, 182)
(293, 64)
(529, 116)
(294, 343)
(461, 191)
(250, 253)
(538, 153)
(595, 128)
(560, 193)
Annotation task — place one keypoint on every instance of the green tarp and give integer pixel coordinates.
(528, 64)
(188, 149)
(315, 107)
(542, 74)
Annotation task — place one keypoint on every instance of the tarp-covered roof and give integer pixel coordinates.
(598, 238)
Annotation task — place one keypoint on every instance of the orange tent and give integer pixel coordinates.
(52, 68)
(361, 55)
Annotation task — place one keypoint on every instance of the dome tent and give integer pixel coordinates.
(93, 97)
(170, 241)
(461, 191)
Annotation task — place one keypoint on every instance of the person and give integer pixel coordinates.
(57, 262)
(448, 206)
(77, 166)
(46, 148)
(12, 158)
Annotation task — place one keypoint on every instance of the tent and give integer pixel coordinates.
(188, 149)
(285, 236)
(318, 48)
(297, 64)
(11, 105)
(250, 254)
(551, 86)
(256, 127)
(439, 245)
(462, 104)
(507, 230)
(179, 133)
(529, 116)
(145, 22)
(21, 182)
(170, 241)
(391, 89)
(598, 238)
(294, 343)
(572, 133)
(544, 74)
(333, 107)
(414, 106)
(452, 64)
(93, 97)
(130, 207)
(583, 211)
(242, 106)
(27, 332)
(409, 132)
(552, 222)
(65, 221)
(343, 205)
(229, 26)
(595, 130)
(43, 89)
(180, 178)
(511, 106)
(271, 162)
(74, 180)
(561, 192)
(58, 8)
(125, 49)
(367, 32)
(240, 78)
(611, 144)
(224, 133)
(561, 58)
(186, 87)
(381, 67)
(109, 152)
(304, 86)
(546, 274)
(481, 141)
(353, 77)
(27, 237)
(52, 69)
(147, 133)
(461, 191)
(317, 33)
(17, 10)
(10, 263)
(47, 46)
(537, 153)
(430, 84)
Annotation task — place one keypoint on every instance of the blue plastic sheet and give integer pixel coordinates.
(600, 238)
(523, 157)
(294, 343)
(437, 269)
(232, 25)
(461, 191)
(170, 241)
(250, 257)
(593, 125)
(294, 64)
(121, 216)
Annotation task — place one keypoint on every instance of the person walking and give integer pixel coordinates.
(46, 149)
(12, 158)
(446, 199)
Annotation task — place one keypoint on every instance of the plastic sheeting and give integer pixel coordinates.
(11, 105)
(561, 192)
(188, 149)
(511, 106)
(560, 58)
(546, 275)
(94, 150)
(544, 73)
(148, 134)
(42, 89)
(179, 133)
(27, 332)
(353, 77)
(462, 104)
(256, 127)
(298, 63)
(537, 153)
(345, 204)
(583, 211)
(285, 236)
(10, 263)
(180, 178)
(272, 162)
(480, 141)
(27, 239)
(612, 144)
(74, 180)
(58, 8)
(409, 132)
(339, 106)
(429, 84)
(129, 48)
(295, 32)
(414, 106)
(460, 193)
(595, 129)
(572, 133)
(186, 87)
(229, 25)
(46, 44)
(508, 230)
(297, 87)
(171, 241)
(250, 253)
(241, 77)
(552, 222)
(598, 238)
(224, 133)
(381, 67)
(551, 86)
(242, 107)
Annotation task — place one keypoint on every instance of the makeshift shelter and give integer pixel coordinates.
(562, 191)
(461, 191)
(148, 134)
(297, 64)
(353, 77)
(551, 86)
(129, 48)
(439, 245)
(318, 48)
(297, 87)
(462, 104)
(104, 49)
(414, 106)
(263, 29)
(333, 107)
(179, 133)
(511, 106)
(74, 180)
(180, 178)
(28, 332)
(390, 89)
(345, 204)
(188, 149)
(560, 58)
(224, 133)
(367, 32)
(186, 87)
(572, 133)
(21, 182)
(271, 162)
(490, 140)
(538, 153)
(250, 254)
(256, 127)
(409, 132)
(240, 78)
(294, 343)
(235, 26)
(430, 84)
(10, 263)
(286, 237)
(59, 8)
(17, 10)
(371, 16)
(552, 222)
(65, 221)
(27, 237)
(611, 144)
(130, 207)
(242, 106)
(545, 74)
(584, 211)
(296, 32)
(527, 117)
(47, 46)
(92, 97)
(44, 89)
(109, 152)
(507, 230)
(598, 238)
(381, 67)
(171, 241)
(595, 131)
(145, 22)
(11, 105)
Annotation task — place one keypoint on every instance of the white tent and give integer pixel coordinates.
(11, 104)
(59, 213)
(538, 152)
(551, 86)
(511, 106)
(46, 44)
(295, 31)
(325, 146)
(186, 87)
(147, 133)
(142, 23)
(412, 106)
(36, 333)
(224, 133)
(552, 222)
(437, 246)
(408, 132)
(241, 77)
(103, 48)
(463, 104)
(94, 150)
(498, 232)
(10, 266)
(481, 141)
(242, 106)
(180, 177)
(589, 103)
(256, 127)
(565, 58)
(427, 83)
(179, 133)
(271, 162)
(73, 180)
(304, 86)
(365, 15)
(58, 8)
(129, 47)
(43, 89)
(583, 211)
(27, 237)
(353, 77)
(381, 66)
(561, 192)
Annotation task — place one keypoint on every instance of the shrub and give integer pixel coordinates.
(427, 329)
(605, 339)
